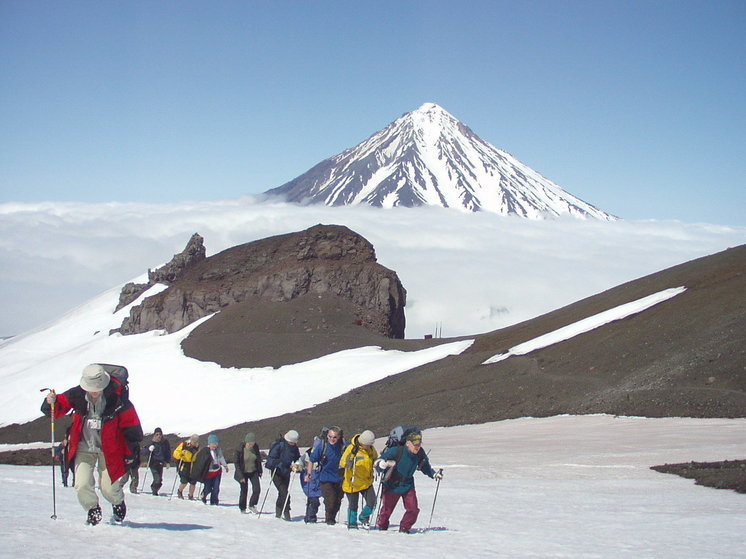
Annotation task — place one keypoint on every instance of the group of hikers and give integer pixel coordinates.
(105, 435)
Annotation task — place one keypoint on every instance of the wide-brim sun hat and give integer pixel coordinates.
(94, 378)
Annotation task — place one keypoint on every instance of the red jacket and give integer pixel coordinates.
(121, 432)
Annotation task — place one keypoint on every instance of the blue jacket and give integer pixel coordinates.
(281, 456)
(327, 457)
(313, 487)
(401, 479)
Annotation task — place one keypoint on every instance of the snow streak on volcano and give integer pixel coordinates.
(428, 157)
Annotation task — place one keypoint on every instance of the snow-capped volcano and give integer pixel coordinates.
(428, 157)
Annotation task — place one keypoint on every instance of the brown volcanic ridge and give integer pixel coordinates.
(683, 357)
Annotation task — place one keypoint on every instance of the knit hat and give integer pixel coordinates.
(194, 439)
(158, 431)
(292, 436)
(366, 437)
(94, 378)
(250, 438)
(414, 438)
(212, 439)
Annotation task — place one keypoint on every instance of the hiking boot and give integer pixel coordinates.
(254, 510)
(180, 494)
(365, 514)
(120, 511)
(286, 515)
(94, 516)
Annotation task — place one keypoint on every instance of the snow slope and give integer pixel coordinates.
(560, 487)
(161, 376)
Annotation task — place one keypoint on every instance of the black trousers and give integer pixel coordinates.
(332, 493)
(252, 478)
(157, 471)
(281, 483)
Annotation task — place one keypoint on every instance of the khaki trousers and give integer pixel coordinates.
(85, 482)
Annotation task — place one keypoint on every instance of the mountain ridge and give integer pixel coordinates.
(428, 157)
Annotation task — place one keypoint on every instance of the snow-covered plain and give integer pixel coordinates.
(560, 487)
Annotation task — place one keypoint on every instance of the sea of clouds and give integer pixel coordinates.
(464, 273)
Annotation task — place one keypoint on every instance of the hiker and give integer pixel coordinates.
(185, 453)
(311, 488)
(160, 456)
(132, 472)
(357, 461)
(325, 457)
(208, 468)
(61, 453)
(400, 464)
(248, 464)
(104, 433)
(281, 461)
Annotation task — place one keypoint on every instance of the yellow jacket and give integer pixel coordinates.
(184, 453)
(358, 466)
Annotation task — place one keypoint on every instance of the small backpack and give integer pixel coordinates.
(120, 373)
(398, 435)
(324, 442)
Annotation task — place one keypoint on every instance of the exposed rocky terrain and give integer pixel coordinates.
(324, 260)
(726, 474)
(683, 357)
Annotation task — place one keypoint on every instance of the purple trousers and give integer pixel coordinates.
(388, 502)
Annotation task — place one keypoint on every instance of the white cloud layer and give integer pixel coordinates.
(469, 272)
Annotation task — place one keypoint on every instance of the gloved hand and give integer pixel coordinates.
(438, 475)
(151, 448)
(383, 464)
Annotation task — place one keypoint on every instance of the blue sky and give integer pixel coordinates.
(636, 107)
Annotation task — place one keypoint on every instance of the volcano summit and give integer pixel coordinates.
(428, 158)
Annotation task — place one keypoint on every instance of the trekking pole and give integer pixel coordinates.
(145, 476)
(287, 497)
(434, 499)
(54, 488)
(173, 487)
(379, 498)
(266, 493)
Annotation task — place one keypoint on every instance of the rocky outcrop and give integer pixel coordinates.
(193, 252)
(325, 260)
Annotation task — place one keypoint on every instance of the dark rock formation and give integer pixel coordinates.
(193, 253)
(180, 263)
(328, 260)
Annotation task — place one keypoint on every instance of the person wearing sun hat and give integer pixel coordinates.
(104, 436)
(357, 461)
(400, 463)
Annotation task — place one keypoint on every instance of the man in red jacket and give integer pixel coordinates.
(104, 432)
